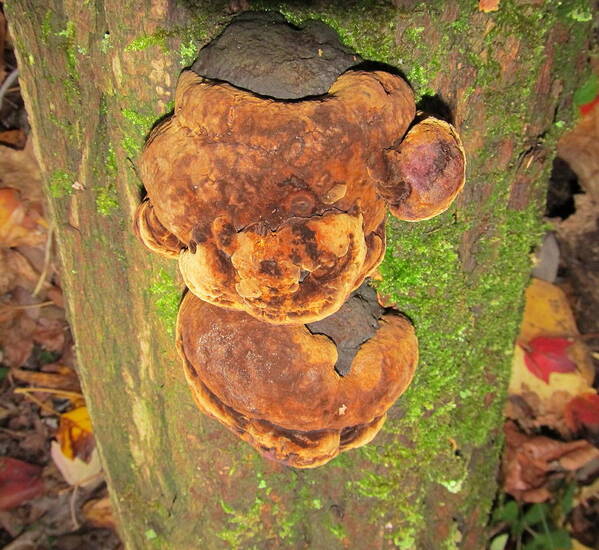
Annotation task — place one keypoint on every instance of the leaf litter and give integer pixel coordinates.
(550, 466)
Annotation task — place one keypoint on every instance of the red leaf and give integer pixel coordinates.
(544, 355)
(583, 412)
(588, 107)
(19, 482)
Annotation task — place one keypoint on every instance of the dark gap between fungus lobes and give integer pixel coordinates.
(270, 184)
(355, 323)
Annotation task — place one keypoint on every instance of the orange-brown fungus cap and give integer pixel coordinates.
(276, 387)
(426, 171)
(275, 202)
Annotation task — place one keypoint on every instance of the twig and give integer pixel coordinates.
(13, 433)
(11, 103)
(39, 403)
(63, 393)
(28, 306)
(8, 81)
(73, 497)
(72, 507)
(44, 272)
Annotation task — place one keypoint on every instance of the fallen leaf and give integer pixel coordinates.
(586, 493)
(99, 513)
(19, 170)
(488, 5)
(21, 222)
(50, 333)
(13, 138)
(544, 355)
(2, 43)
(75, 435)
(76, 471)
(582, 412)
(19, 482)
(529, 461)
(16, 338)
(532, 401)
(66, 379)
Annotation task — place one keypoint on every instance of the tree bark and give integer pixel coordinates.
(96, 75)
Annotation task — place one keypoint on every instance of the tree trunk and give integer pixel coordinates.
(97, 74)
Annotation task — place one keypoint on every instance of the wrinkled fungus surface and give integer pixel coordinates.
(276, 387)
(278, 207)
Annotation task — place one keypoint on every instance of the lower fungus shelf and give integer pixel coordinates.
(276, 387)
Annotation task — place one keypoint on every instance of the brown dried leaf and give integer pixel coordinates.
(50, 333)
(26, 275)
(16, 339)
(529, 462)
(66, 379)
(19, 170)
(21, 222)
(8, 278)
(577, 458)
(580, 149)
(14, 138)
(98, 512)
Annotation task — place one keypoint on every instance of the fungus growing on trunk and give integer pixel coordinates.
(270, 184)
(278, 207)
(279, 387)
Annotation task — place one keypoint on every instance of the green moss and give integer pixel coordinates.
(135, 128)
(143, 122)
(242, 526)
(188, 51)
(148, 40)
(131, 146)
(60, 184)
(71, 82)
(581, 14)
(166, 295)
(46, 27)
(107, 200)
(105, 43)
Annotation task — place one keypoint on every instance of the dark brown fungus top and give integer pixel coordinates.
(277, 387)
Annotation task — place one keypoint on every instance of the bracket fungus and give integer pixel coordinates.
(277, 206)
(274, 205)
(278, 388)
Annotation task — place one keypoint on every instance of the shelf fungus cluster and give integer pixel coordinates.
(275, 212)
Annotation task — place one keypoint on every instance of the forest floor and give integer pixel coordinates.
(52, 491)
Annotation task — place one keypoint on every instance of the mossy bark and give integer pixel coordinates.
(97, 74)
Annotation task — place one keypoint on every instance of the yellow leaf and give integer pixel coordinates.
(75, 434)
(547, 313)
